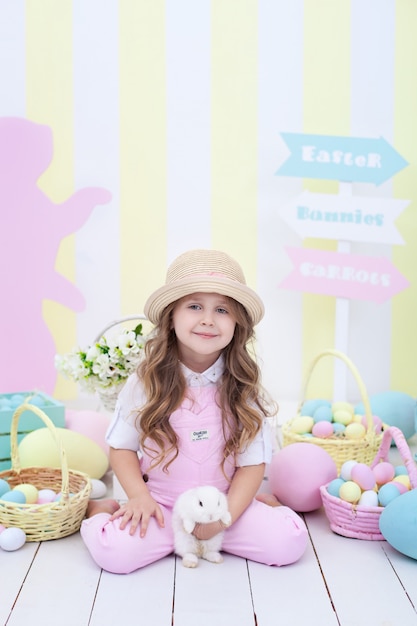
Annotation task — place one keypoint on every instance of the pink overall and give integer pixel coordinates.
(270, 535)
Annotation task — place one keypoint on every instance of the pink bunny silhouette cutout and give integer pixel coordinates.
(31, 230)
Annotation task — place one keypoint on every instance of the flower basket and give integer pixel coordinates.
(53, 520)
(104, 367)
(340, 448)
(362, 522)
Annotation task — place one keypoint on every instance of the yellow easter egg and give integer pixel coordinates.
(350, 492)
(302, 424)
(30, 491)
(38, 449)
(342, 416)
(357, 418)
(404, 479)
(355, 431)
(343, 406)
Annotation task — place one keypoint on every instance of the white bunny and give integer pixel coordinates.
(200, 505)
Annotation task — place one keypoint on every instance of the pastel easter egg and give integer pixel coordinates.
(400, 469)
(343, 406)
(4, 486)
(377, 423)
(342, 416)
(350, 492)
(98, 489)
(91, 424)
(323, 413)
(297, 472)
(363, 476)
(355, 431)
(310, 406)
(346, 469)
(383, 472)
(338, 429)
(387, 493)
(404, 479)
(302, 424)
(45, 496)
(398, 523)
(334, 487)
(30, 492)
(12, 539)
(322, 429)
(16, 400)
(369, 498)
(400, 486)
(38, 449)
(14, 496)
(394, 408)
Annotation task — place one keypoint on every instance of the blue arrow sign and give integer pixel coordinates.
(349, 159)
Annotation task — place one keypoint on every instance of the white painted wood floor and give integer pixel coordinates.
(338, 582)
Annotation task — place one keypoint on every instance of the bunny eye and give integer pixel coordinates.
(200, 503)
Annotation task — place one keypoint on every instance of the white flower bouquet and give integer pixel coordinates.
(105, 365)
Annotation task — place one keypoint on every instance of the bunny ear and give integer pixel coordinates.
(226, 518)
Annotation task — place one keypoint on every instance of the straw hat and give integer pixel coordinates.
(205, 271)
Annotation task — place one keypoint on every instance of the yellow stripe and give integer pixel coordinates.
(234, 130)
(49, 101)
(142, 151)
(404, 335)
(326, 111)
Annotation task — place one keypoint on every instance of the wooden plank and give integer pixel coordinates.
(362, 584)
(406, 570)
(14, 567)
(143, 597)
(213, 594)
(60, 586)
(286, 595)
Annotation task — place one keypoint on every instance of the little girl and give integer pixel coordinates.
(193, 415)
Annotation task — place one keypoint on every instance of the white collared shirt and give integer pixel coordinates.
(123, 433)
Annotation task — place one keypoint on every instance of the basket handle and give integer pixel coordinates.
(127, 318)
(364, 395)
(14, 451)
(394, 433)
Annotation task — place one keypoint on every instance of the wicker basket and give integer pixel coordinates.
(362, 522)
(108, 395)
(53, 520)
(340, 448)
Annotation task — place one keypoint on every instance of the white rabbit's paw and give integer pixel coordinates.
(213, 557)
(190, 560)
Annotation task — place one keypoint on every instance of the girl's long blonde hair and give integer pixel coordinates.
(240, 394)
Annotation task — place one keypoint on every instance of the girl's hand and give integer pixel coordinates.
(207, 531)
(138, 512)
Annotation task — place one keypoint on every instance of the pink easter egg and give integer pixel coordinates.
(322, 429)
(363, 476)
(400, 486)
(296, 474)
(91, 424)
(377, 423)
(384, 472)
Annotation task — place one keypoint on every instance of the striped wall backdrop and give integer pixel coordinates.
(177, 108)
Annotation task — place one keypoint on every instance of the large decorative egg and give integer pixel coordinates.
(38, 449)
(394, 408)
(92, 424)
(398, 523)
(296, 474)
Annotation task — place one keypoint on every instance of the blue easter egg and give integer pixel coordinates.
(16, 400)
(37, 401)
(14, 496)
(4, 486)
(334, 487)
(394, 408)
(4, 404)
(387, 493)
(323, 413)
(398, 523)
(310, 406)
(338, 428)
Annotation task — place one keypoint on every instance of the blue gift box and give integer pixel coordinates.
(28, 421)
